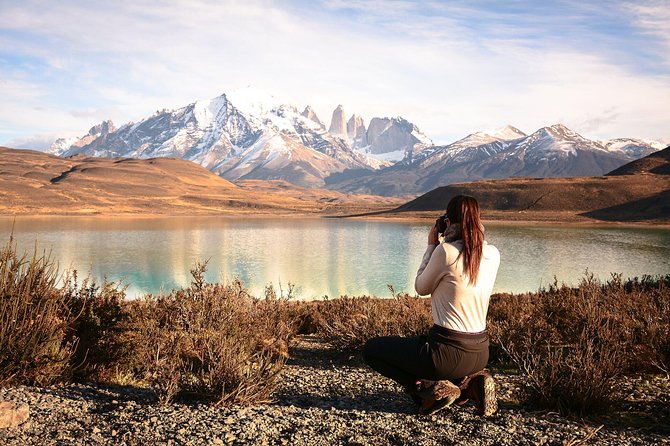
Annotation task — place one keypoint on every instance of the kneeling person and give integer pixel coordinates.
(458, 274)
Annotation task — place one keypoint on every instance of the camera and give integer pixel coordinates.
(441, 223)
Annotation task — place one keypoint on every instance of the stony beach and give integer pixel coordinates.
(327, 397)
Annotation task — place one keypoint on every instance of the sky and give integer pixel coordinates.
(451, 67)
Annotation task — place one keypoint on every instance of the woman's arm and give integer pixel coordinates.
(432, 269)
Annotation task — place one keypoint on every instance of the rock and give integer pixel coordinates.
(386, 135)
(356, 131)
(376, 128)
(12, 414)
(338, 124)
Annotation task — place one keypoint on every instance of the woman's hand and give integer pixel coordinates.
(432, 237)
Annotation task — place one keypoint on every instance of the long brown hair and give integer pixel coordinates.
(465, 210)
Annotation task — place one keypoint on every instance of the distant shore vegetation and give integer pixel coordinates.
(217, 343)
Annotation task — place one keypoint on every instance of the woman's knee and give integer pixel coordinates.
(368, 350)
(372, 348)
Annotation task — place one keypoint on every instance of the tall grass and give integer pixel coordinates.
(570, 343)
(211, 340)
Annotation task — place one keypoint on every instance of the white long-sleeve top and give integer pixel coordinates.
(456, 303)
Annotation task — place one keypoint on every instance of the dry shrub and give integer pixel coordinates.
(348, 322)
(35, 320)
(212, 340)
(99, 327)
(573, 342)
(649, 315)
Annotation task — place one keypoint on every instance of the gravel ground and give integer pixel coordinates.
(327, 398)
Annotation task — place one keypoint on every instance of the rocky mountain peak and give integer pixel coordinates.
(338, 123)
(396, 137)
(309, 113)
(104, 128)
(507, 133)
(558, 131)
(356, 131)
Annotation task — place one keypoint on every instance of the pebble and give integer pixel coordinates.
(323, 397)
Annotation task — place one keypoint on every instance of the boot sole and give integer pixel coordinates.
(490, 403)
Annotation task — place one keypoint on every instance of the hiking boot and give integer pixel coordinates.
(436, 395)
(480, 388)
(413, 392)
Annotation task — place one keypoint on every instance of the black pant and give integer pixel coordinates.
(443, 354)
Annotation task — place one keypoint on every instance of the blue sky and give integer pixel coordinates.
(451, 67)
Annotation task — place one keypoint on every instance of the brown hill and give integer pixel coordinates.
(33, 182)
(657, 163)
(642, 197)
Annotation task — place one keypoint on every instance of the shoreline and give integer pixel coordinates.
(496, 219)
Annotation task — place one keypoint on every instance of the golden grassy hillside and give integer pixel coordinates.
(33, 182)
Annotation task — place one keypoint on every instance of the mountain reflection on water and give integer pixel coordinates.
(323, 257)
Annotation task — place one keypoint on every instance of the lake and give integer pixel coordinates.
(323, 257)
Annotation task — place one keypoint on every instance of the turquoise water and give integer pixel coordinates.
(323, 257)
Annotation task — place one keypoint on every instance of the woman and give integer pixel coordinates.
(459, 274)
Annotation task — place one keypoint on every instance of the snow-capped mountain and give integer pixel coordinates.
(242, 134)
(250, 134)
(309, 113)
(476, 146)
(636, 148)
(386, 139)
(554, 151)
(61, 145)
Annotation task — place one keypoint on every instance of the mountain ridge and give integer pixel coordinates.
(631, 194)
(248, 134)
(261, 138)
(551, 151)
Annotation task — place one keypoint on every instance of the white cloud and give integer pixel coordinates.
(123, 60)
(654, 19)
(35, 142)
